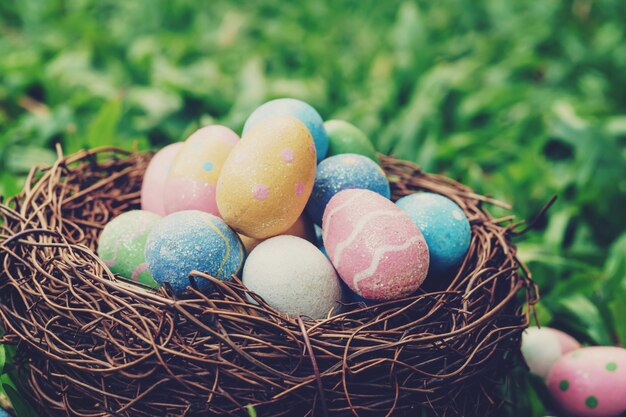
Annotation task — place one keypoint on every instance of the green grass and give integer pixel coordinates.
(518, 99)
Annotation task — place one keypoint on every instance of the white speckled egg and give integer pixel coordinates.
(293, 276)
(590, 382)
(542, 347)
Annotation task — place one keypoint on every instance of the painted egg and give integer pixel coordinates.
(375, 247)
(590, 382)
(122, 243)
(293, 276)
(294, 108)
(191, 181)
(153, 184)
(542, 347)
(445, 228)
(192, 240)
(267, 179)
(303, 227)
(343, 172)
(344, 137)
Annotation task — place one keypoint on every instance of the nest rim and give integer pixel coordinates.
(44, 239)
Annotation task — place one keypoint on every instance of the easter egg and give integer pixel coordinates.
(303, 227)
(444, 225)
(343, 172)
(344, 137)
(153, 184)
(542, 347)
(590, 382)
(297, 109)
(293, 277)
(375, 247)
(191, 182)
(122, 243)
(192, 240)
(268, 177)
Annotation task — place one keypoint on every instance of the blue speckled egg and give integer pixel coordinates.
(343, 172)
(192, 240)
(444, 226)
(301, 111)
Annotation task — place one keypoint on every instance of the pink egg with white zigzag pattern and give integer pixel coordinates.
(374, 246)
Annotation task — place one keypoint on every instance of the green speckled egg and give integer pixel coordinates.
(344, 137)
(122, 243)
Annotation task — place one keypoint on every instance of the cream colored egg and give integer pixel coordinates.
(293, 276)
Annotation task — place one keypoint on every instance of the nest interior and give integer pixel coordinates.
(93, 344)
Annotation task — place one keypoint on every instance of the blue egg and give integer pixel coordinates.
(444, 226)
(301, 111)
(342, 172)
(192, 240)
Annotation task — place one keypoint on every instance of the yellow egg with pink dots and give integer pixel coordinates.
(267, 179)
(192, 178)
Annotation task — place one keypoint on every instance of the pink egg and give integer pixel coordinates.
(154, 178)
(567, 342)
(192, 180)
(590, 382)
(374, 246)
(542, 347)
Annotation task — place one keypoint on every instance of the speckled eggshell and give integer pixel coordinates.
(343, 172)
(445, 228)
(192, 240)
(267, 179)
(293, 276)
(153, 184)
(375, 247)
(542, 347)
(294, 108)
(192, 179)
(122, 243)
(303, 227)
(590, 382)
(344, 137)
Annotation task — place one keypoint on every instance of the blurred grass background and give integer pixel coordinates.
(518, 99)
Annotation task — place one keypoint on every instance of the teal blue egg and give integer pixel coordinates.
(301, 111)
(444, 226)
(343, 172)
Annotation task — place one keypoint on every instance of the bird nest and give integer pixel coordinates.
(92, 344)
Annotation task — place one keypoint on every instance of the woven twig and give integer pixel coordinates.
(91, 344)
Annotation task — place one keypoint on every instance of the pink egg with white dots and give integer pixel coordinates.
(590, 382)
(267, 179)
(374, 246)
(192, 179)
